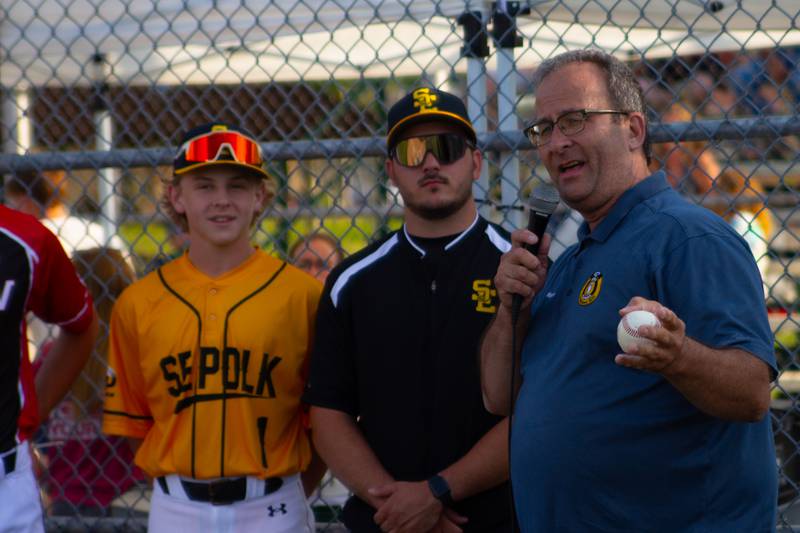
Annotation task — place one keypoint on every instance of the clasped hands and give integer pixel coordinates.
(410, 507)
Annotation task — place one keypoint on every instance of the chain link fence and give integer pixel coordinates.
(96, 94)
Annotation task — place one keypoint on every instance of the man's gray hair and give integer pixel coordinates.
(623, 87)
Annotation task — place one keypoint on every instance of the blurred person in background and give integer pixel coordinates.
(742, 203)
(41, 194)
(690, 166)
(317, 254)
(35, 276)
(768, 81)
(85, 470)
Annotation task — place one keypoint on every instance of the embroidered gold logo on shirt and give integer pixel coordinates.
(591, 289)
(484, 295)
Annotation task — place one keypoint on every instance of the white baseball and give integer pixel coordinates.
(628, 329)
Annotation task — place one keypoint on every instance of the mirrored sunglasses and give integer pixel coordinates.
(447, 148)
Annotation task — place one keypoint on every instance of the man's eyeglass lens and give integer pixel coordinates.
(570, 123)
(446, 148)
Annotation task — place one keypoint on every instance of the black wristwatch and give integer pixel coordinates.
(440, 490)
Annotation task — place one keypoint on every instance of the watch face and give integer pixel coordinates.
(439, 488)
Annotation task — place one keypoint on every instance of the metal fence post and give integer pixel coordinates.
(108, 178)
(506, 39)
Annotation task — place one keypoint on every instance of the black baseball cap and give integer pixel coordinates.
(217, 143)
(427, 104)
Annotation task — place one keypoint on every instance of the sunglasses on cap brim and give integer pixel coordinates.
(446, 148)
(212, 146)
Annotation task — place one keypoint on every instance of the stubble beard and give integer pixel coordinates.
(443, 210)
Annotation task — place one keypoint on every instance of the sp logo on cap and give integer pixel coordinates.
(424, 99)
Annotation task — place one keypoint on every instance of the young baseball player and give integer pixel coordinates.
(37, 276)
(208, 355)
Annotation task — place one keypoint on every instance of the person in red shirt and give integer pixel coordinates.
(86, 471)
(35, 275)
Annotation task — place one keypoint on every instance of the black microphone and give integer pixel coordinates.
(541, 204)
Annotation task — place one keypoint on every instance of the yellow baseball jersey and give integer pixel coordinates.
(209, 371)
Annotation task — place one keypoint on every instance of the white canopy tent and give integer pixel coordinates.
(169, 42)
(245, 41)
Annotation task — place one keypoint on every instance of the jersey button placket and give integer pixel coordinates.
(212, 317)
(212, 314)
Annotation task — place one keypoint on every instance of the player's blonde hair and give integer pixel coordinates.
(180, 220)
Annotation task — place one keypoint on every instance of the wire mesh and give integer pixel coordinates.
(96, 94)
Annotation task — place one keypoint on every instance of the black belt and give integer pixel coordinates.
(224, 492)
(9, 462)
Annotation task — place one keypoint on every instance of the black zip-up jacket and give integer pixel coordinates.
(396, 347)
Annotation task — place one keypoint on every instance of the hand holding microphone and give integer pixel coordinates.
(542, 204)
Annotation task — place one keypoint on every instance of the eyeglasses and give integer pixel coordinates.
(570, 123)
(210, 147)
(447, 148)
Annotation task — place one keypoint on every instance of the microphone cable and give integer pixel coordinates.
(542, 203)
(511, 404)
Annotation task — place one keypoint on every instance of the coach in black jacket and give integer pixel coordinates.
(397, 411)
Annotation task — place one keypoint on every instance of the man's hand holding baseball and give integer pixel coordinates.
(668, 340)
(730, 384)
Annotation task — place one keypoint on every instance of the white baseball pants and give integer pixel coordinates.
(283, 511)
(20, 504)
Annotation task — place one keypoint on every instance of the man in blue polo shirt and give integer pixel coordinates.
(668, 437)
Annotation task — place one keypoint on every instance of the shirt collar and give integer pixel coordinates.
(449, 245)
(648, 187)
